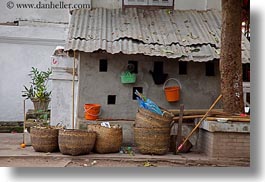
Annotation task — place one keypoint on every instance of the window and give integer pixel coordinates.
(111, 99)
(161, 2)
(159, 67)
(133, 66)
(246, 72)
(209, 68)
(182, 68)
(135, 2)
(103, 65)
(140, 89)
(165, 3)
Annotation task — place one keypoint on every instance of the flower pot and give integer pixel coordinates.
(40, 104)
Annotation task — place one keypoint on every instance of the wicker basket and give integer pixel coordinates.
(44, 139)
(128, 77)
(76, 142)
(109, 140)
(148, 119)
(152, 140)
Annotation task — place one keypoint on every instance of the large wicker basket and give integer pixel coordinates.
(109, 140)
(148, 119)
(76, 142)
(152, 140)
(44, 139)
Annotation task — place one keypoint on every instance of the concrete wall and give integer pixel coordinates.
(198, 90)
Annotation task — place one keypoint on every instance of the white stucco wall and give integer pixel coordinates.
(111, 4)
(190, 4)
(214, 4)
(23, 48)
(197, 4)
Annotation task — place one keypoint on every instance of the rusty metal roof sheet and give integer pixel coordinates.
(188, 35)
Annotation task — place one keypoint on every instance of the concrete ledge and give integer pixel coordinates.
(225, 140)
(214, 126)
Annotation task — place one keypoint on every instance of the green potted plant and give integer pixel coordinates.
(38, 92)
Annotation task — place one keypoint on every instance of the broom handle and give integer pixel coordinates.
(199, 123)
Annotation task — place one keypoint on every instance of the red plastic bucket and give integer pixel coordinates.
(92, 111)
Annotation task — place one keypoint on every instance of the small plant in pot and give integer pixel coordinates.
(38, 92)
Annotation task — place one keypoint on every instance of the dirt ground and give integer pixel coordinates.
(12, 155)
(77, 162)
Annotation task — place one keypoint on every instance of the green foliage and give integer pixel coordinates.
(38, 87)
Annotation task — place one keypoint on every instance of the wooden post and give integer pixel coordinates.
(179, 135)
(73, 92)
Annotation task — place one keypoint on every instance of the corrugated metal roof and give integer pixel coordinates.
(188, 35)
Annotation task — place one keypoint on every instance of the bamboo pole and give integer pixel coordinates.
(229, 119)
(196, 111)
(188, 117)
(73, 92)
(24, 123)
(199, 123)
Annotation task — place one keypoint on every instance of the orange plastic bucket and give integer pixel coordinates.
(92, 111)
(172, 93)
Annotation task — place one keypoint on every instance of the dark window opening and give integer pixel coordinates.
(140, 89)
(133, 66)
(103, 65)
(182, 68)
(246, 72)
(168, 4)
(159, 67)
(111, 99)
(209, 68)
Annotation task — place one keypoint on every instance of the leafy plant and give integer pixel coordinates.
(38, 87)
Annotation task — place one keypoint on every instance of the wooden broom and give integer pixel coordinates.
(199, 123)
